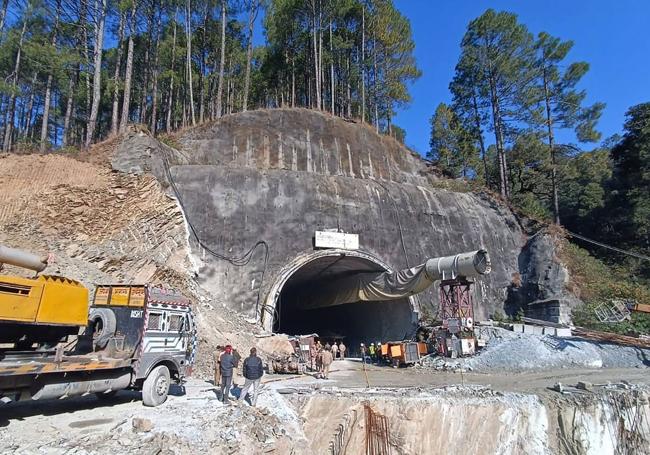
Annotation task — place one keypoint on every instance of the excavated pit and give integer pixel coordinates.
(477, 420)
(353, 323)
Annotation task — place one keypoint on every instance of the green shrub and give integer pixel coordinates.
(595, 283)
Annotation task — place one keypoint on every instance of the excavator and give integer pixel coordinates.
(53, 344)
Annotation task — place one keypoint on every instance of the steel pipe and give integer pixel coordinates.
(23, 259)
(62, 389)
(460, 265)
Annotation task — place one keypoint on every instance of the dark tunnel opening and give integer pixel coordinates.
(352, 323)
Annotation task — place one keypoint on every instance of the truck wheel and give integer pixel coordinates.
(102, 324)
(156, 386)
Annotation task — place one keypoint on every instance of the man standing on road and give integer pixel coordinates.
(227, 365)
(253, 372)
(342, 350)
(335, 350)
(326, 361)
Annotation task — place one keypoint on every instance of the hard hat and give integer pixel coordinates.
(362, 344)
(372, 344)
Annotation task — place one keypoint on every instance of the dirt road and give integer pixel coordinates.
(349, 373)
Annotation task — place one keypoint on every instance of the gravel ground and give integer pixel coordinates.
(195, 422)
(510, 351)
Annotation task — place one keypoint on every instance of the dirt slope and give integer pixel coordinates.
(102, 226)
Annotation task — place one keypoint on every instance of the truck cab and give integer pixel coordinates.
(152, 326)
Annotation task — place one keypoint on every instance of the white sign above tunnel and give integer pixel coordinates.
(341, 240)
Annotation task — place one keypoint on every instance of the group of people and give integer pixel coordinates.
(370, 353)
(227, 360)
(324, 356)
(226, 364)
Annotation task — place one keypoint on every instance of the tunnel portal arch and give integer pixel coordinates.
(353, 322)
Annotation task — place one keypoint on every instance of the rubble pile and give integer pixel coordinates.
(510, 351)
(194, 423)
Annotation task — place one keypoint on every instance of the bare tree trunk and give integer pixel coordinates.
(498, 137)
(86, 54)
(126, 101)
(3, 14)
(479, 133)
(48, 86)
(331, 68)
(116, 77)
(316, 65)
(188, 19)
(551, 149)
(320, 55)
(29, 117)
(363, 64)
(252, 15)
(375, 91)
(97, 77)
(178, 97)
(71, 109)
(154, 93)
(202, 78)
(68, 109)
(170, 99)
(12, 99)
(293, 82)
(230, 99)
(222, 63)
(142, 110)
(349, 94)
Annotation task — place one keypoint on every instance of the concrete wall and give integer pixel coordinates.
(279, 175)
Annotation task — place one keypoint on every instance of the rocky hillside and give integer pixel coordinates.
(279, 175)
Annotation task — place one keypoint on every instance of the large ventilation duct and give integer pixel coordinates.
(382, 286)
(22, 259)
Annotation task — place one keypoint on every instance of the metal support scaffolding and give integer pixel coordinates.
(456, 336)
(377, 434)
(456, 301)
(338, 445)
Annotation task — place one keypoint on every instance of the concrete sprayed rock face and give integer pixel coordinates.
(541, 287)
(277, 176)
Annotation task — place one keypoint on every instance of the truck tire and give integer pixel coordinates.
(102, 324)
(156, 387)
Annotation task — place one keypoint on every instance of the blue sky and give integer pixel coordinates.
(613, 36)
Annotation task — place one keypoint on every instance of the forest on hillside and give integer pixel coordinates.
(77, 72)
(513, 92)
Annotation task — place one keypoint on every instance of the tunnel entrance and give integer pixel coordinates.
(352, 323)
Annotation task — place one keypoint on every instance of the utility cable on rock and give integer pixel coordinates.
(240, 261)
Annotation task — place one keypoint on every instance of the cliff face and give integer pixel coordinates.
(279, 175)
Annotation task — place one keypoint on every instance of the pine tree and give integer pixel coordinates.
(497, 61)
(628, 214)
(562, 102)
(452, 146)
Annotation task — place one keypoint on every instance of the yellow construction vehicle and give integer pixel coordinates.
(40, 310)
(53, 344)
